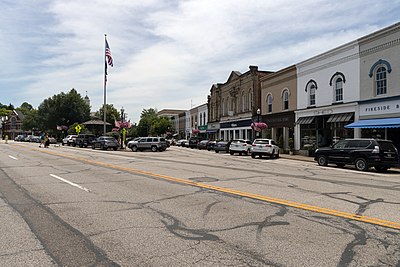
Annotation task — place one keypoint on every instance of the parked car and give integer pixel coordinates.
(105, 142)
(264, 147)
(69, 140)
(19, 138)
(194, 141)
(52, 140)
(84, 140)
(363, 153)
(180, 142)
(211, 145)
(221, 146)
(240, 146)
(152, 143)
(202, 144)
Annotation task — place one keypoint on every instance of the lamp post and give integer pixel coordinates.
(258, 118)
(122, 121)
(3, 126)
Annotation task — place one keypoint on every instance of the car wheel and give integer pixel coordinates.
(322, 160)
(381, 169)
(361, 164)
(115, 148)
(277, 155)
(231, 152)
(253, 155)
(73, 144)
(273, 154)
(93, 147)
(134, 148)
(154, 148)
(216, 151)
(63, 144)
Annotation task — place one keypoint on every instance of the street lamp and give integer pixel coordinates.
(122, 121)
(3, 126)
(258, 118)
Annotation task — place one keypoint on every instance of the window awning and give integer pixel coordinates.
(305, 120)
(342, 117)
(376, 123)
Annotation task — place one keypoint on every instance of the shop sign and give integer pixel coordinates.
(380, 108)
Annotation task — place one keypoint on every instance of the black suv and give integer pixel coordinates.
(194, 141)
(84, 140)
(363, 153)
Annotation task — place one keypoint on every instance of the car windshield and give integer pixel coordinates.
(109, 138)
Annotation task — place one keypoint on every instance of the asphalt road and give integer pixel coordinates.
(65, 206)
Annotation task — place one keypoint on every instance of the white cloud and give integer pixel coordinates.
(167, 54)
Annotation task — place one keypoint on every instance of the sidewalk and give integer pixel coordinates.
(297, 157)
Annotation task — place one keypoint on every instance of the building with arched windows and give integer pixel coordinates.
(378, 112)
(278, 103)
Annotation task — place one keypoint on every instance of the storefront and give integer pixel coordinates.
(280, 127)
(321, 127)
(236, 130)
(379, 119)
(213, 130)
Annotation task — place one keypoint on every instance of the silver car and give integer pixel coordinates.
(240, 146)
(265, 147)
(152, 143)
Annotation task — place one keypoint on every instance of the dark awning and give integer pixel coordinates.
(342, 117)
(305, 120)
(376, 123)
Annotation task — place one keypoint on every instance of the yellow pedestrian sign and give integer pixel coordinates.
(78, 129)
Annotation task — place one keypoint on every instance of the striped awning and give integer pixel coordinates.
(305, 120)
(341, 117)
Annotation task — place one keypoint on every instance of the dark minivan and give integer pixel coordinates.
(363, 153)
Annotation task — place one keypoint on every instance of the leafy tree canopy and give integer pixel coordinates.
(112, 114)
(63, 109)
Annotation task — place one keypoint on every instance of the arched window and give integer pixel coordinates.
(223, 107)
(250, 100)
(311, 88)
(381, 82)
(204, 118)
(285, 99)
(201, 119)
(312, 95)
(228, 104)
(339, 89)
(269, 103)
(243, 102)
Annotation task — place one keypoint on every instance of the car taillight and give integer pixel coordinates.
(268, 145)
(253, 145)
(376, 149)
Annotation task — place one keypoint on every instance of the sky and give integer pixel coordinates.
(167, 53)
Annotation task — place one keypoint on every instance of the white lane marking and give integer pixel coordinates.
(70, 183)
(12, 157)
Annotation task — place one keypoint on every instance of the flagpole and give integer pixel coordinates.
(105, 84)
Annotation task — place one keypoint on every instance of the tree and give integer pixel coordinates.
(25, 108)
(63, 109)
(31, 120)
(147, 117)
(161, 125)
(112, 114)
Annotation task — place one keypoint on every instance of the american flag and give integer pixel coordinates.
(108, 55)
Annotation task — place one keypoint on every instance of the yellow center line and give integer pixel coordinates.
(342, 214)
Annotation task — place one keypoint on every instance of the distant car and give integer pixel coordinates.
(148, 143)
(84, 140)
(52, 140)
(363, 153)
(202, 144)
(265, 147)
(105, 142)
(69, 139)
(180, 142)
(222, 146)
(240, 146)
(194, 141)
(211, 145)
(19, 138)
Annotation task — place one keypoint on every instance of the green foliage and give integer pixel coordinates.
(31, 120)
(62, 109)
(112, 114)
(291, 143)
